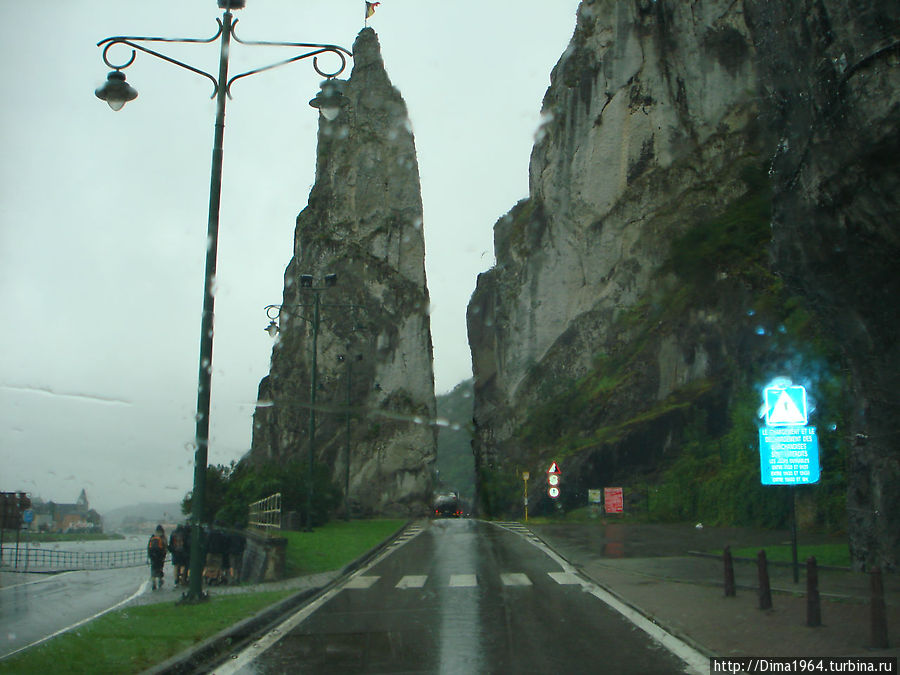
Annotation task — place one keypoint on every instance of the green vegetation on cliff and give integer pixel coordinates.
(692, 453)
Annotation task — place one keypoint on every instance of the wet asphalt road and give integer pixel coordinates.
(461, 596)
(43, 605)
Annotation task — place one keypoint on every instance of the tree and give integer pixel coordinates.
(231, 489)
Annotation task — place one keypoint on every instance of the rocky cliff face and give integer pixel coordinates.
(634, 297)
(364, 224)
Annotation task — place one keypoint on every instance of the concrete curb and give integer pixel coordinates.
(201, 658)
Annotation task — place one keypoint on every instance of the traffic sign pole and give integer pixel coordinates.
(788, 449)
(525, 476)
(794, 556)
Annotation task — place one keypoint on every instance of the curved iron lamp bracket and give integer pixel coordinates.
(273, 312)
(131, 41)
(317, 50)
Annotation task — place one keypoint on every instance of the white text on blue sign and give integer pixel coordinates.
(788, 455)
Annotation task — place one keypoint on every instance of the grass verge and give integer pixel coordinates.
(136, 638)
(133, 639)
(833, 555)
(332, 546)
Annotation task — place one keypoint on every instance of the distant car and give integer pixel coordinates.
(447, 506)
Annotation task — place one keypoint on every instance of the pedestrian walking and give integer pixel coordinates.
(156, 554)
(180, 556)
(236, 544)
(216, 556)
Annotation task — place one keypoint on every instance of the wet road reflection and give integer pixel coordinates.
(44, 606)
(461, 596)
(456, 558)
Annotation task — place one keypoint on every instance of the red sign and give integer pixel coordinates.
(614, 499)
(554, 468)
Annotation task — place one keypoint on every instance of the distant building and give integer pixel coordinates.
(77, 517)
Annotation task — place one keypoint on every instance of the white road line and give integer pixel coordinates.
(696, 662)
(47, 577)
(565, 578)
(515, 579)
(361, 582)
(141, 590)
(250, 653)
(412, 581)
(463, 580)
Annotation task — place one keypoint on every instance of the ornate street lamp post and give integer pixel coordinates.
(273, 312)
(117, 92)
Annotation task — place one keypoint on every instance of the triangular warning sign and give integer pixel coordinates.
(786, 411)
(554, 468)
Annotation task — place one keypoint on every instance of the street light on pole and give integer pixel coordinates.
(273, 312)
(117, 92)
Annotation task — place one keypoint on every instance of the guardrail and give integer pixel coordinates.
(266, 513)
(51, 560)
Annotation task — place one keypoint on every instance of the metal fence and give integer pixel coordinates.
(43, 560)
(266, 513)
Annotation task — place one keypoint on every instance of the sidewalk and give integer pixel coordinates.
(170, 593)
(684, 593)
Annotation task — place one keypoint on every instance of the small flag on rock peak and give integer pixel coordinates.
(370, 8)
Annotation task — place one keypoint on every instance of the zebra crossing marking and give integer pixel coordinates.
(463, 581)
(456, 580)
(361, 582)
(515, 579)
(520, 529)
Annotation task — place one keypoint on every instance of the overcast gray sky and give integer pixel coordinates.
(103, 215)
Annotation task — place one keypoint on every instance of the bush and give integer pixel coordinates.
(231, 489)
(500, 493)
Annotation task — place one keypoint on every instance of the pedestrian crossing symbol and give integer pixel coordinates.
(786, 406)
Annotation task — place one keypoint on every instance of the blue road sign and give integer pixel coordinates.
(28, 515)
(786, 406)
(789, 455)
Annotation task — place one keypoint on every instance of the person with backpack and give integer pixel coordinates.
(156, 554)
(216, 556)
(180, 555)
(236, 544)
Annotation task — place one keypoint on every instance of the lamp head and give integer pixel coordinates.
(231, 4)
(272, 329)
(329, 100)
(116, 91)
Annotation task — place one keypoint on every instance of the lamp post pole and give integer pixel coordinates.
(312, 413)
(273, 312)
(347, 469)
(207, 327)
(116, 92)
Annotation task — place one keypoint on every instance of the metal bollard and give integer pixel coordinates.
(730, 590)
(879, 612)
(765, 591)
(813, 602)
